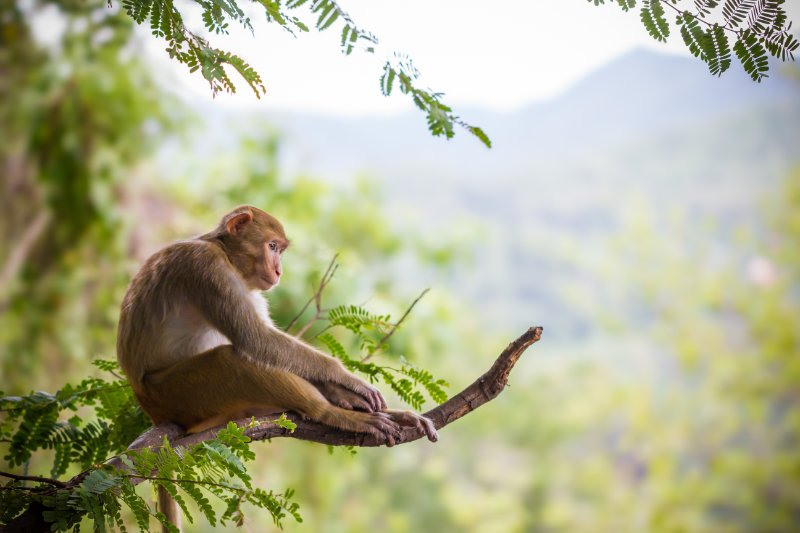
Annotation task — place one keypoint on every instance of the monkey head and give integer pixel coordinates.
(254, 242)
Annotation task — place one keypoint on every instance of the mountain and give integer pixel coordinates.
(647, 131)
(637, 95)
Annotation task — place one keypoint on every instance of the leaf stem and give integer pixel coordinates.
(38, 479)
(394, 328)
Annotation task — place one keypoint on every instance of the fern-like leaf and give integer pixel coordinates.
(201, 501)
(781, 45)
(693, 36)
(626, 5)
(765, 14)
(704, 7)
(752, 55)
(735, 11)
(719, 58)
(653, 18)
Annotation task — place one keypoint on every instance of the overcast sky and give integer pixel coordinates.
(500, 54)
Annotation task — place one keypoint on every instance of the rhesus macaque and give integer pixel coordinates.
(198, 346)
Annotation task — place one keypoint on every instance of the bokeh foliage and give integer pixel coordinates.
(682, 419)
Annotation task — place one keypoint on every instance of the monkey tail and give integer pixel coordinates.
(168, 506)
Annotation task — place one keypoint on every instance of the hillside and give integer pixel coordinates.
(647, 131)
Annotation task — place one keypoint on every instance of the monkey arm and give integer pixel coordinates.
(483, 390)
(220, 295)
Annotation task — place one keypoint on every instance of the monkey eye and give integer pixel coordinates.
(273, 246)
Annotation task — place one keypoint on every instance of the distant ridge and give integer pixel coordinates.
(637, 95)
(647, 130)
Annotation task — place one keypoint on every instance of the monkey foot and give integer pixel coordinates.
(383, 427)
(422, 424)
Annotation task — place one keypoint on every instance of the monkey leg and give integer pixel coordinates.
(347, 399)
(218, 385)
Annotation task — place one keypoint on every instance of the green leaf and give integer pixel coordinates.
(652, 16)
(719, 58)
(327, 23)
(202, 502)
(626, 5)
(478, 132)
(387, 79)
(285, 423)
(704, 7)
(766, 14)
(693, 36)
(781, 45)
(735, 11)
(752, 55)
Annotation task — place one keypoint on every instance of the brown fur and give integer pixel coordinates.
(199, 349)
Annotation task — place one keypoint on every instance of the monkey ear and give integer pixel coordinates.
(236, 221)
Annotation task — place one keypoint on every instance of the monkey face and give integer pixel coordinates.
(270, 266)
(255, 243)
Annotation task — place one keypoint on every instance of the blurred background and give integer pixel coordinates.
(644, 212)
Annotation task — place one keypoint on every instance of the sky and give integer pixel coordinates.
(498, 55)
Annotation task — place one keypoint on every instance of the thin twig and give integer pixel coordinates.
(38, 479)
(184, 480)
(394, 328)
(697, 18)
(317, 296)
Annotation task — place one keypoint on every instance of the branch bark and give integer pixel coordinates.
(484, 389)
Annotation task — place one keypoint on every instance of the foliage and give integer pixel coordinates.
(406, 387)
(212, 468)
(733, 335)
(195, 51)
(31, 423)
(76, 117)
(36, 422)
(757, 27)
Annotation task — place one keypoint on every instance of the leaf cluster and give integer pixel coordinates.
(196, 52)
(441, 120)
(211, 469)
(87, 423)
(714, 30)
(369, 332)
(37, 421)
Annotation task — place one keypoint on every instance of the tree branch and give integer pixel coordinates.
(316, 298)
(38, 479)
(484, 389)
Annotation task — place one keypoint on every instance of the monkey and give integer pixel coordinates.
(199, 348)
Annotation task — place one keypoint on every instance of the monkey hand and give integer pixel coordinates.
(342, 397)
(409, 419)
(366, 391)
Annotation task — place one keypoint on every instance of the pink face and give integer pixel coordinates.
(271, 270)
